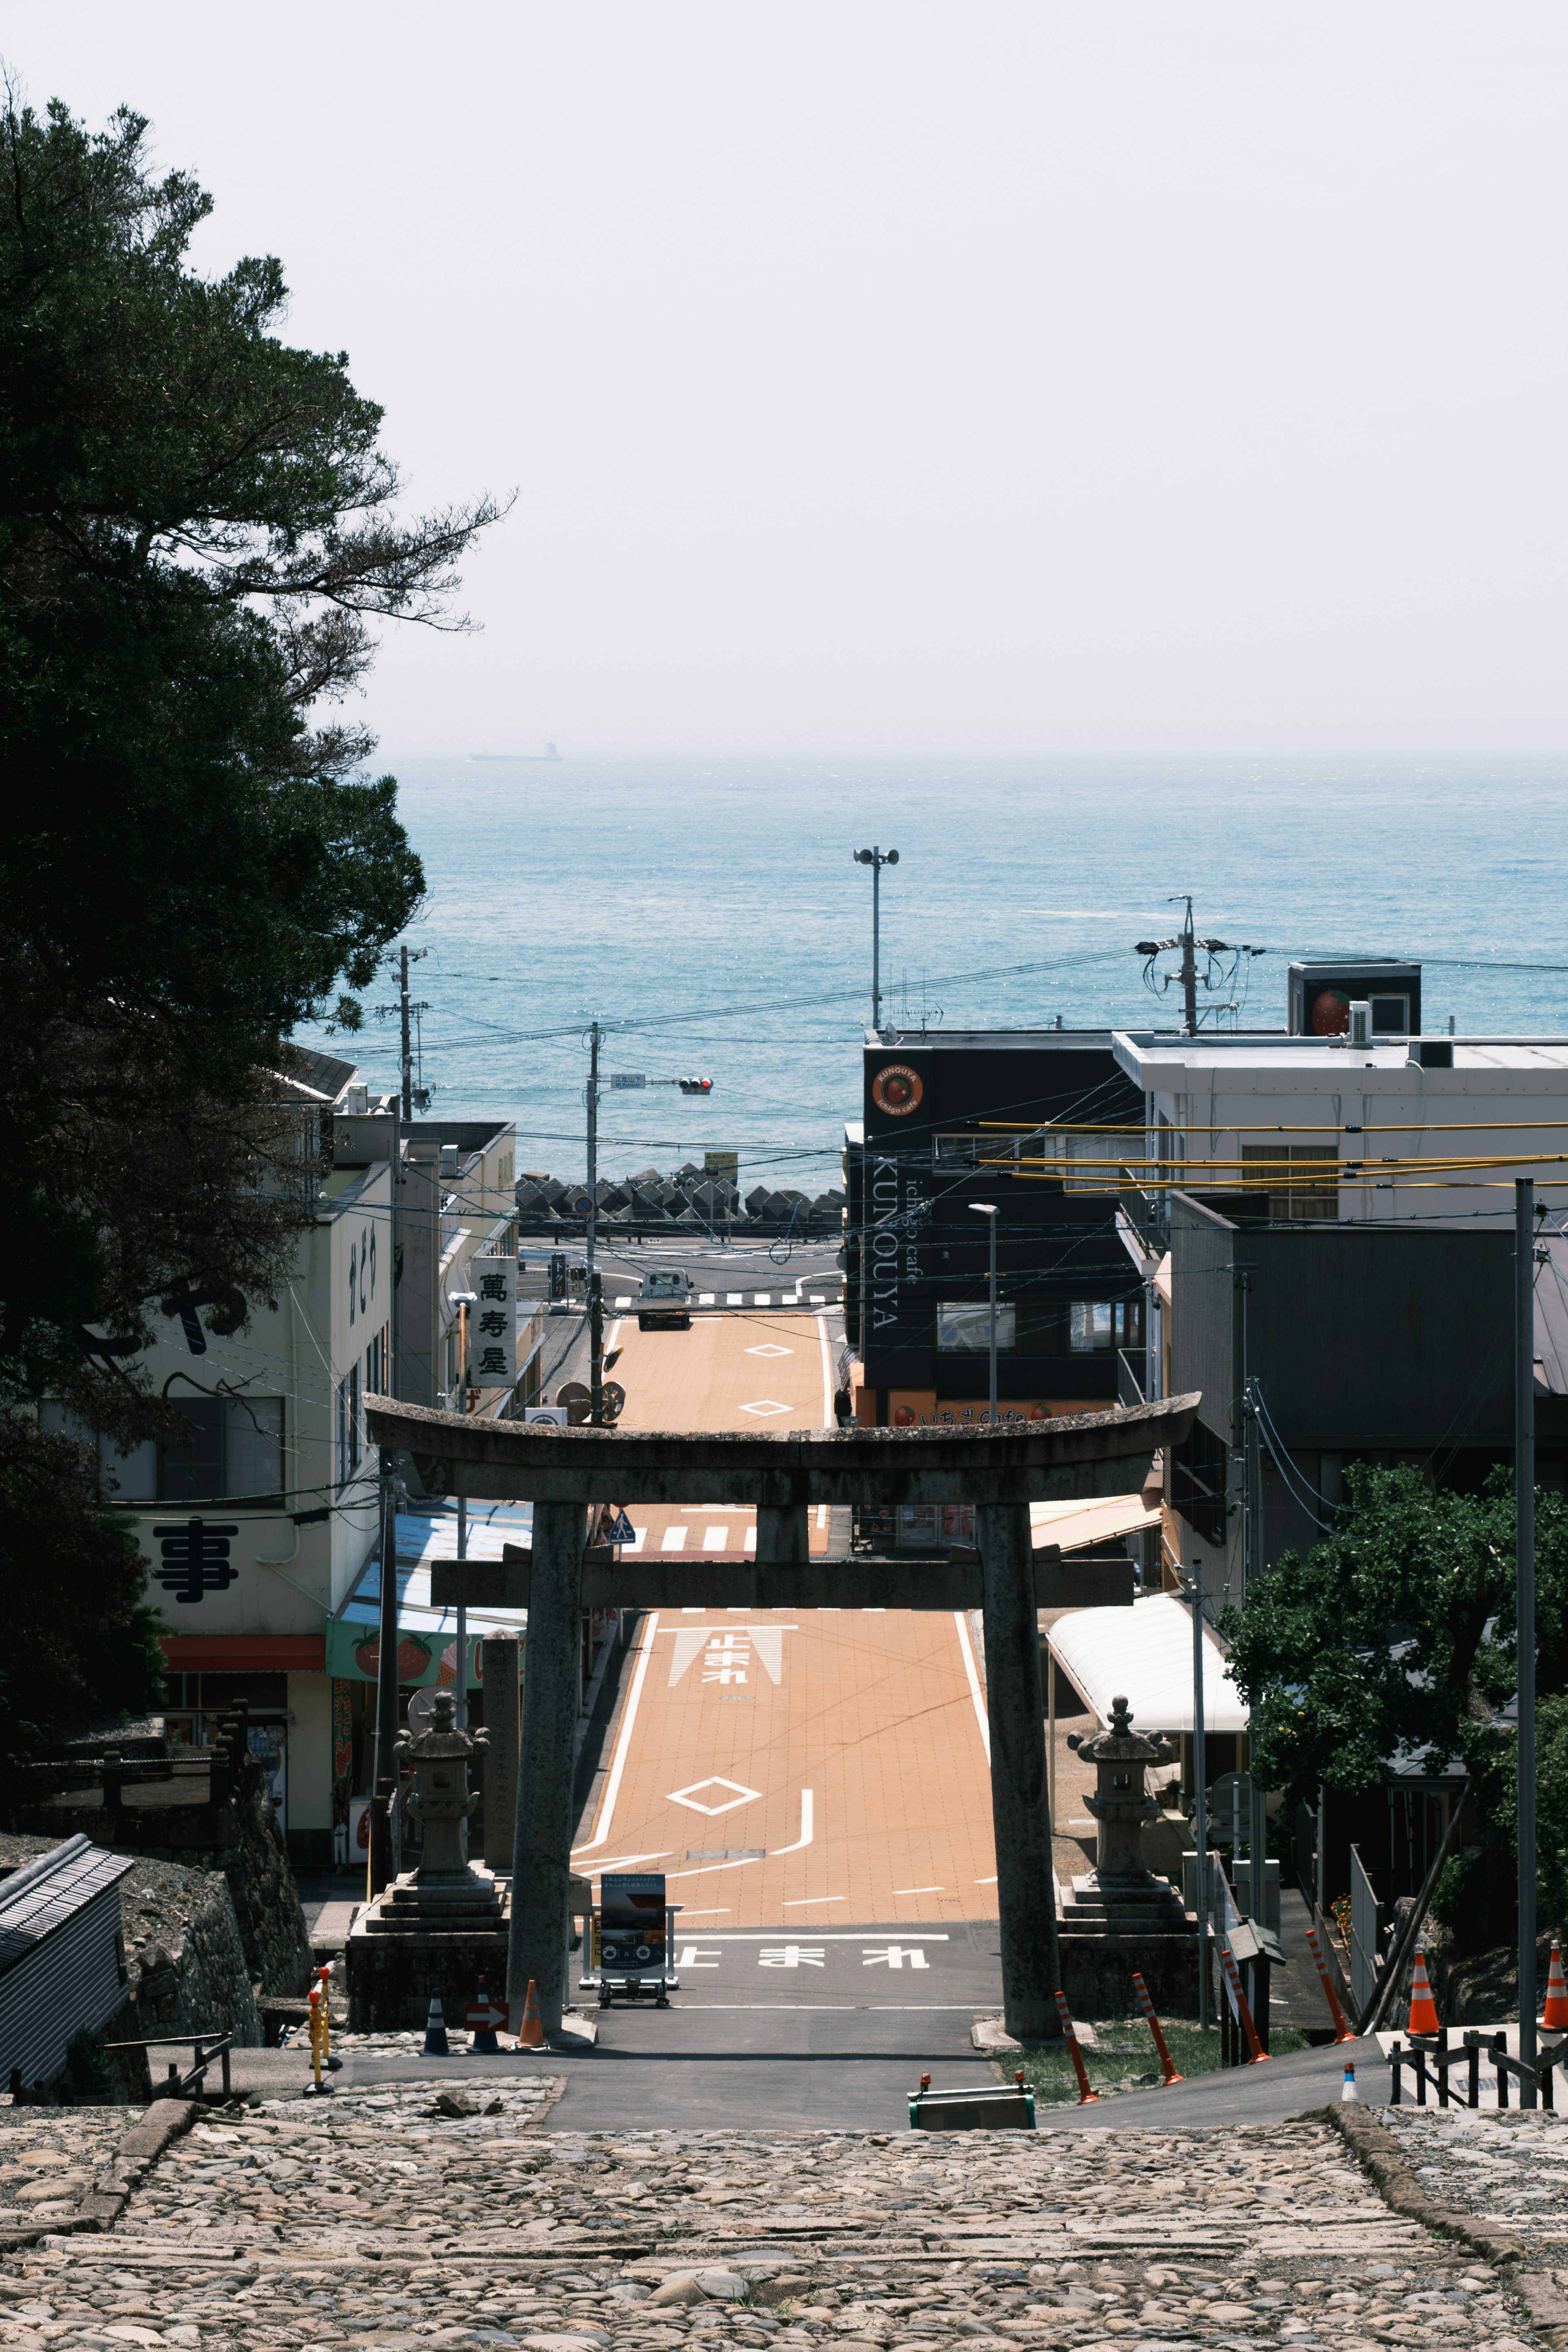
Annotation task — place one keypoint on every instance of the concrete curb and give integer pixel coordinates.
(165, 2121)
(1377, 2152)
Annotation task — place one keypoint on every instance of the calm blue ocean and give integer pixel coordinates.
(710, 914)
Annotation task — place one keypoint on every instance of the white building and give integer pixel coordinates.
(1334, 1222)
(257, 1530)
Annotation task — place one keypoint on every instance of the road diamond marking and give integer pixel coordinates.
(763, 1406)
(769, 1348)
(688, 1796)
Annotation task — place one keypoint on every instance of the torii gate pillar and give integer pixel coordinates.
(1021, 1812)
(541, 1857)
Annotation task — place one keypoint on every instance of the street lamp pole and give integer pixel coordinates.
(1200, 1792)
(988, 1210)
(463, 1300)
(877, 859)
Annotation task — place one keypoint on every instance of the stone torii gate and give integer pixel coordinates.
(1000, 1471)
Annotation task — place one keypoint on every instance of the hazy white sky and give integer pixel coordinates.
(877, 375)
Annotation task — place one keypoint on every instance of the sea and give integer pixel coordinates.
(710, 914)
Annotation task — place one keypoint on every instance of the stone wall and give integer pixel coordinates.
(265, 1900)
(185, 1953)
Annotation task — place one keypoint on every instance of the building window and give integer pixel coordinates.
(235, 1450)
(348, 1425)
(376, 1364)
(1197, 1483)
(964, 1327)
(1311, 1194)
(971, 1150)
(1099, 1326)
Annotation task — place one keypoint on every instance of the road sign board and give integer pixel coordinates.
(620, 1078)
(581, 1202)
(620, 1530)
(487, 2017)
(1229, 1802)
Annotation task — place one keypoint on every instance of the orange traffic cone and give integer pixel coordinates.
(1422, 2008)
(1556, 2015)
(531, 2034)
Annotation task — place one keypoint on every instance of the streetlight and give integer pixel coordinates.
(988, 1209)
(877, 859)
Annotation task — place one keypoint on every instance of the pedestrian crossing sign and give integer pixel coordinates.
(622, 1530)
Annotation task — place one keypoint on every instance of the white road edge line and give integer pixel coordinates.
(808, 1826)
(740, 1863)
(962, 1623)
(827, 1373)
(623, 1745)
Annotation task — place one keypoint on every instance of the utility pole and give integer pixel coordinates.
(877, 859)
(1188, 976)
(407, 1050)
(1199, 1792)
(595, 1302)
(1524, 1569)
(385, 1774)
(1187, 972)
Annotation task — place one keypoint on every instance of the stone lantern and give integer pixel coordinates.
(445, 1888)
(1121, 1892)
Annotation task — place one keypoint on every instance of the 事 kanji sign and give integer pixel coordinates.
(493, 1322)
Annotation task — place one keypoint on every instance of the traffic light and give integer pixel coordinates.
(696, 1085)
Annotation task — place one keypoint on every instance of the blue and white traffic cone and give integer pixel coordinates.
(481, 2041)
(435, 2045)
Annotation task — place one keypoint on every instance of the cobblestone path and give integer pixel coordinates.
(411, 2216)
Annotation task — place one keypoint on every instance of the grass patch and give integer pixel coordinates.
(1126, 2059)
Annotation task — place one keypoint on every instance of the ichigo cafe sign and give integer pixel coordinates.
(897, 1089)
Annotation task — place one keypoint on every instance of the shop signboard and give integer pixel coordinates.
(629, 1927)
(354, 1652)
(493, 1322)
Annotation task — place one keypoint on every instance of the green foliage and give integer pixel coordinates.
(1551, 1806)
(1395, 1637)
(196, 531)
(81, 1642)
(1126, 2059)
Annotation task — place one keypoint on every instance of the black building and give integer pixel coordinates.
(1367, 1342)
(1028, 1122)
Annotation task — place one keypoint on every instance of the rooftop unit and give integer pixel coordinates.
(1323, 989)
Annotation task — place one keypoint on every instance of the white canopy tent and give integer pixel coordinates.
(1075, 1526)
(1145, 1655)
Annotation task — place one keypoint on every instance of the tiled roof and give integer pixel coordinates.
(45, 1893)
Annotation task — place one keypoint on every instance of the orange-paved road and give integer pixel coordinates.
(786, 1768)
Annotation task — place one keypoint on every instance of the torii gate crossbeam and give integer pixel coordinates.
(1000, 1471)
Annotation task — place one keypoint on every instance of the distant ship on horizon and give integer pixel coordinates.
(550, 752)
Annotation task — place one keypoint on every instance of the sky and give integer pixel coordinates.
(882, 377)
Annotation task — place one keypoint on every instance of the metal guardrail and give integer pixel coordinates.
(207, 2047)
(1422, 2053)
